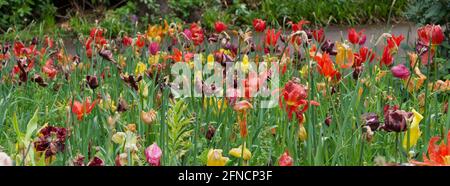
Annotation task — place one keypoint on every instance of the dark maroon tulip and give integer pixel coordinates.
(371, 120)
(328, 121)
(39, 80)
(92, 81)
(51, 140)
(96, 161)
(327, 47)
(395, 120)
(211, 131)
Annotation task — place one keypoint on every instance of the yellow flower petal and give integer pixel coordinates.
(237, 152)
(215, 158)
(414, 131)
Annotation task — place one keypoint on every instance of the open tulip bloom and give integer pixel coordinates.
(226, 95)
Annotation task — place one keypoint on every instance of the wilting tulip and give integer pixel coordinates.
(302, 134)
(371, 120)
(395, 120)
(121, 159)
(5, 160)
(356, 37)
(215, 158)
(400, 71)
(344, 56)
(153, 48)
(367, 133)
(237, 152)
(259, 25)
(220, 26)
(327, 47)
(92, 81)
(241, 107)
(122, 106)
(414, 131)
(210, 132)
(153, 154)
(49, 69)
(148, 117)
(51, 140)
(96, 161)
(285, 159)
(118, 137)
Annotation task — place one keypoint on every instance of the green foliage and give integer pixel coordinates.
(19, 13)
(180, 131)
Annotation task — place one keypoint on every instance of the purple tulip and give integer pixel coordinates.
(154, 48)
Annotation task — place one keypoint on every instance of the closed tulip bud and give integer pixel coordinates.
(328, 121)
(154, 48)
(302, 135)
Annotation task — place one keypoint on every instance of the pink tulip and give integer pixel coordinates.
(153, 154)
(400, 71)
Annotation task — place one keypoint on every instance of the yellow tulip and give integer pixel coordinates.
(140, 68)
(237, 152)
(414, 131)
(153, 59)
(245, 64)
(344, 54)
(215, 158)
(118, 137)
(302, 134)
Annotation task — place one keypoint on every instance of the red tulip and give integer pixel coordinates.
(356, 37)
(272, 37)
(127, 41)
(386, 58)
(220, 26)
(363, 55)
(431, 33)
(326, 66)
(259, 25)
(394, 42)
(82, 109)
(140, 41)
(285, 159)
(197, 35)
(438, 155)
(400, 71)
(49, 69)
(298, 26)
(319, 35)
